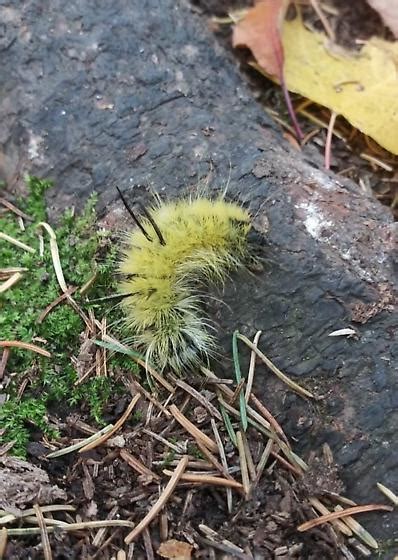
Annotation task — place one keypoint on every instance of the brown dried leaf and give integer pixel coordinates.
(260, 31)
(177, 550)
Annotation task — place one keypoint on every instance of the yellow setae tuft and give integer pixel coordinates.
(201, 241)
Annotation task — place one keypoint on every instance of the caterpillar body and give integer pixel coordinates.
(176, 248)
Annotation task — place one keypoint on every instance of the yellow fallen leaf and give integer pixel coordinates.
(362, 86)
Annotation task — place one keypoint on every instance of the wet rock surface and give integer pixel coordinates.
(140, 95)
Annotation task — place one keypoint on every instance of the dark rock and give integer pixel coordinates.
(84, 83)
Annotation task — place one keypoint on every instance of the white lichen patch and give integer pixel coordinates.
(314, 221)
(35, 147)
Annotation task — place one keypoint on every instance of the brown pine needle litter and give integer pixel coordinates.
(167, 452)
(174, 445)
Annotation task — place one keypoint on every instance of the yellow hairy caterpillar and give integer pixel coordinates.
(175, 248)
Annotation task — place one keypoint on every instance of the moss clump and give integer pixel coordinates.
(50, 380)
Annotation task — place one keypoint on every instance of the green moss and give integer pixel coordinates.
(81, 245)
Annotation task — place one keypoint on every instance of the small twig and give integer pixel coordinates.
(376, 161)
(249, 458)
(161, 502)
(213, 460)
(238, 392)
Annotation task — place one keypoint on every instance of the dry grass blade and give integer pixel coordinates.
(3, 542)
(328, 143)
(100, 536)
(326, 25)
(16, 277)
(387, 492)
(5, 273)
(146, 537)
(44, 534)
(137, 465)
(10, 517)
(263, 460)
(163, 498)
(249, 457)
(178, 448)
(24, 346)
(115, 428)
(340, 514)
(227, 421)
(214, 540)
(243, 466)
(80, 444)
(360, 532)
(23, 532)
(213, 460)
(240, 382)
(208, 480)
(17, 243)
(192, 429)
(250, 375)
(4, 361)
(292, 384)
(323, 510)
(269, 417)
(55, 255)
(223, 460)
(376, 161)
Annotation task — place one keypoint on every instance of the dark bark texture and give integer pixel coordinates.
(139, 94)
